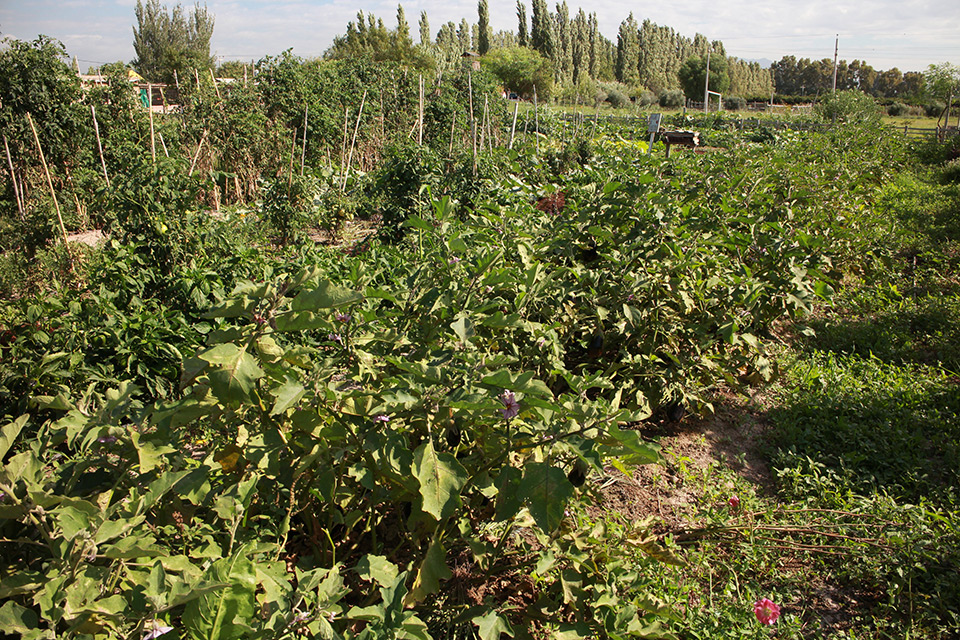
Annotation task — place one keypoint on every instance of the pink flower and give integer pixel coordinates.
(734, 502)
(381, 418)
(342, 317)
(766, 611)
(158, 630)
(510, 405)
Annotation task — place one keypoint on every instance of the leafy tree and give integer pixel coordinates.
(628, 51)
(541, 33)
(483, 40)
(943, 81)
(166, 42)
(522, 39)
(692, 76)
(424, 29)
(520, 69)
(849, 106)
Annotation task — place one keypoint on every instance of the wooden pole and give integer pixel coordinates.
(353, 142)
(420, 114)
(346, 132)
(53, 194)
(293, 153)
(453, 123)
(164, 145)
(13, 178)
(176, 81)
(303, 151)
(536, 118)
(153, 138)
(196, 156)
(473, 122)
(483, 123)
(513, 127)
(213, 79)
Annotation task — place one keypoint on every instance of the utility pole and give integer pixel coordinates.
(706, 84)
(836, 49)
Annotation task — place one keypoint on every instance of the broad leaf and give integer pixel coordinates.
(441, 478)
(545, 490)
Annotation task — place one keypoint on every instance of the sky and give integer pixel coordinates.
(907, 34)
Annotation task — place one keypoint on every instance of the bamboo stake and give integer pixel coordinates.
(53, 194)
(303, 151)
(176, 81)
(164, 145)
(153, 138)
(215, 87)
(536, 118)
(293, 153)
(596, 117)
(453, 123)
(13, 178)
(513, 127)
(483, 123)
(196, 156)
(420, 114)
(346, 124)
(473, 122)
(353, 142)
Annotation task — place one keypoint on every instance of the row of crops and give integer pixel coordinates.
(217, 427)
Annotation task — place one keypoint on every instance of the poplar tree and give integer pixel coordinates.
(424, 29)
(541, 31)
(403, 29)
(168, 42)
(522, 39)
(628, 51)
(463, 36)
(483, 41)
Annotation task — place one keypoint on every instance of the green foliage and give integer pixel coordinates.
(942, 81)
(169, 43)
(849, 107)
(671, 99)
(693, 76)
(289, 207)
(521, 70)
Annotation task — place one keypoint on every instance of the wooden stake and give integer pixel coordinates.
(53, 194)
(153, 138)
(303, 152)
(213, 79)
(346, 124)
(483, 123)
(473, 122)
(13, 178)
(513, 127)
(196, 156)
(293, 153)
(420, 114)
(453, 123)
(536, 118)
(353, 142)
(164, 145)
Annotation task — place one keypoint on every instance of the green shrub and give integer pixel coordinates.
(898, 109)
(734, 103)
(849, 107)
(933, 109)
(616, 94)
(672, 99)
(647, 98)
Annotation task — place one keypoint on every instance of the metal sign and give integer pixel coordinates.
(653, 122)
